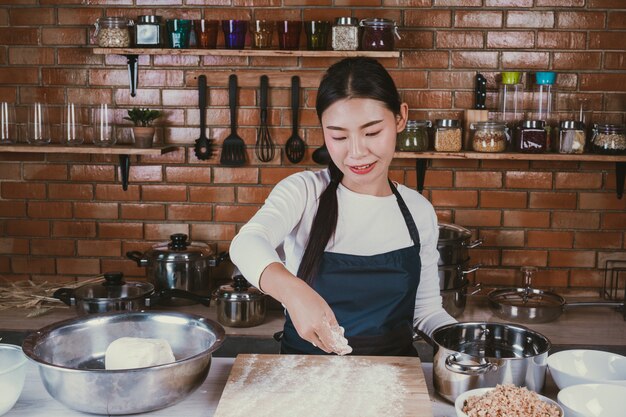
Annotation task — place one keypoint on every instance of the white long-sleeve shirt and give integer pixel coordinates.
(366, 225)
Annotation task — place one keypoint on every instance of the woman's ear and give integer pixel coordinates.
(402, 117)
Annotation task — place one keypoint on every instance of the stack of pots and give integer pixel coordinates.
(453, 246)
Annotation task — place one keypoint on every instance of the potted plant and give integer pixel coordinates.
(143, 131)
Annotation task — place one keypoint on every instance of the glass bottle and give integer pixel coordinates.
(448, 136)
(490, 136)
(609, 139)
(378, 34)
(544, 102)
(345, 34)
(113, 32)
(414, 137)
(531, 137)
(571, 137)
(511, 97)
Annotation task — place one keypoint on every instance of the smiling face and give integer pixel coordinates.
(360, 134)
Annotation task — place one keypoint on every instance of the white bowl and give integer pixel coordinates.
(12, 374)
(580, 366)
(593, 400)
(460, 400)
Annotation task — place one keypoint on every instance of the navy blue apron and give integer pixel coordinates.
(373, 298)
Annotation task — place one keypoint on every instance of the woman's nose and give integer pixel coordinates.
(357, 146)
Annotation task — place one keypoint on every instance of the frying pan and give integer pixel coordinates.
(531, 305)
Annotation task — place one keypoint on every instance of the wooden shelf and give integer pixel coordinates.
(124, 151)
(422, 158)
(244, 52)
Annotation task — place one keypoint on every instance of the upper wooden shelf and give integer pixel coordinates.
(87, 149)
(243, 52)
(512, 156)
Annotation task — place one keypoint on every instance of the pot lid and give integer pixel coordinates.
(526, 298)
(113, 287)
(179, 249)
(452, 233)
(239, 290)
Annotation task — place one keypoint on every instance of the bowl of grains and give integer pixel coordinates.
(505, 400)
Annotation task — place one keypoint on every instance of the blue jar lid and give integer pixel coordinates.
(545, 77)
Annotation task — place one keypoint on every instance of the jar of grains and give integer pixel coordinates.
(448, 136)
(113, 32)
(571, 137)
(609, 139)
(489, 136)
(414, 137)
(531, 137)
(345, 34)
(378, 34)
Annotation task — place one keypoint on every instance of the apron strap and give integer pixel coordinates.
(408, 218)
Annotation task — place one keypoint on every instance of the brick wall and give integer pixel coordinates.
(66, 216)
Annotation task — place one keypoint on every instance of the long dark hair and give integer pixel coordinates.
(357, 77)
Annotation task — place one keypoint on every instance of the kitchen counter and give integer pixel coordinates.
(599, 327)
(35, 400)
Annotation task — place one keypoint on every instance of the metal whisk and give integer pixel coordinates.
(264, 148)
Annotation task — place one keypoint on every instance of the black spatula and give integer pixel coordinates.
(204, 146)
(233, 148)
(294, 148)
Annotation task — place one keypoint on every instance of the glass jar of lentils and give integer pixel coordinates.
(345, 34)
(448, 136)
(489, 136)
(113, 32)
(609, 139)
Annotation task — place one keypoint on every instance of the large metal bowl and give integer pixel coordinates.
(70, 355)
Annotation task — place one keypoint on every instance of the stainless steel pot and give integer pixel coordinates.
(453, 244)
(480, 355)
(115, 294)
(454, 276)
(454, 300)
(70, 356)
(179, 264)
(239, 304)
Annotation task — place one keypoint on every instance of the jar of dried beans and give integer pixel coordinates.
(571, 137)
(414, 137)
(490, 136)
(448, 136)
(378, 34)
(113, 32)
(345, 34)
(531, 137)
(609, 139)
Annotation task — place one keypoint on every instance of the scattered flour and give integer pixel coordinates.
(290, 386)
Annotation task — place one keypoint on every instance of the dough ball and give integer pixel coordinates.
(137, 352)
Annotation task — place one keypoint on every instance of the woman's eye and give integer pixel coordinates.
(373, 133)
(338, 138)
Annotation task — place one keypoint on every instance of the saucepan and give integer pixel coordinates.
(531, 305)
(70, 357)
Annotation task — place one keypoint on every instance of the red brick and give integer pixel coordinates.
(120, 230)
(615, 60)
(595, 240)
(526, 218)
(189, 212)
(32, 265)
(508, 39)
(484, 257)
(477, 19)
(78, 266)
(235, 175)
(188, 174)
(509, 3)
(617, 20)
(530, 180)
(552, 200)
(578, 180)
(603, 82)
(601, 201)
(39, 228)
(503, 199)
(501, 277)
(31, 56)
(606, 40)
(576, 60)
(96, 211)
(551, 278)
(99, 248)
(474, 59)
(477, 217)
(452, 79)
(524, 257)
(459, 40)
(581, 20)
(114, 192)
(164, 231)
(70, 191)
(425, 59)
(19, 36)
(417, 39)
(526, 19)
(586, 278)
(56, 247)
(12, 209)
(63, 36)
(525, 60)
(275, 175)
(212, 194)
(614, 221)
(73, 229)
(248, 195)
(22, 190)
(572, 259)
(605, 4)
(213, 232)
(481, 179)
(105, 173)
(143, 211)
(14, 246)
(78, 16)
(427, 18)
(543, 239)
(434, 178)
(560, 3)
(234, 213)
(561, 40)
(502, 237)
(454, 198)
(164, 193)
(49, 209)
(458, 3)
(11, 171)
(575, 220)
(429, 99)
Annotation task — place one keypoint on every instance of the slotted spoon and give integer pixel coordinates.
(233, 148)
(295, 146)
(264, 148)
(204, 146)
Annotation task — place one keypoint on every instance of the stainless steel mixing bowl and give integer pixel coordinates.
(70, 355)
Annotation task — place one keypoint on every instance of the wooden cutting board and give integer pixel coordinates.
(325, 386)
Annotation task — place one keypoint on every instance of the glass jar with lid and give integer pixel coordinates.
(378, 34)
(414, 137)
(531, 137)
(571, 137)
(345, 34)
(113, 32)
(609, 139)
(148, 32)
(448, 136)
(489, 136)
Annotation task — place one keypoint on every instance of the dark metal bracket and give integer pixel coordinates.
(420, 172)
(124, 170)
(131, 60)
(620, 173)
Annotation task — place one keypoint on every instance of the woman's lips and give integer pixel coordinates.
(362, 169)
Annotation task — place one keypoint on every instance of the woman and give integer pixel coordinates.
(345, 246)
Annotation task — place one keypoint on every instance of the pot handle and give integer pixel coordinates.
(454, 366)
(473, 243)
(137, 257)
(224, 256)
(166, 294)
(471, 269)
(66, 295)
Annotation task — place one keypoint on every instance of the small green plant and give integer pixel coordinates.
(142, 117)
